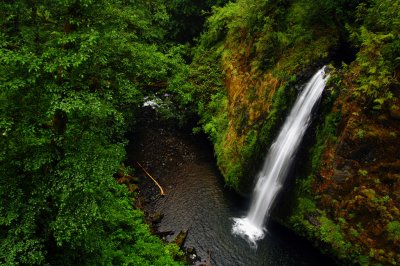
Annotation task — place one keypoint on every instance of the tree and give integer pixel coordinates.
(72, 75)
(188, 17)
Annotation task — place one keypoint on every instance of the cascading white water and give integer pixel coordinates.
(279, 160)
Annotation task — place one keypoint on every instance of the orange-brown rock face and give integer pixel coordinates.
(250, 95)
(359, 180)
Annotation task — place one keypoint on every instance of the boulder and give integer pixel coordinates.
(180, 238)
(156, 217)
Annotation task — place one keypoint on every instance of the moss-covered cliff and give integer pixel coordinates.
(265, 51)
(250, 64)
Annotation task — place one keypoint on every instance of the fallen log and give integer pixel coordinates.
(152, 178)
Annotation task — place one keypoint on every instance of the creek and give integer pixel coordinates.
(198, 201)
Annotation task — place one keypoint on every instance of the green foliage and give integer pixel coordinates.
(72, 75)
(188, 17)
(190, 88)
(309, 220)
(363, 172)
(326, 133)
(305, 206)
(215, 123)
(381, 200)
(393, 229)
(275, 27)
(376, 78)
(360, 133)
(224, 19)
(332, 234)
(215, 120)
(379, 56)
(281, 102)
(336, 12)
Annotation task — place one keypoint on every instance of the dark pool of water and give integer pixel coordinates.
(197, 200)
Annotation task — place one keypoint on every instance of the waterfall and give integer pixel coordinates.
(279, 160)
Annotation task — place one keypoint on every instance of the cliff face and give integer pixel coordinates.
(347, 198)
(258, 89)
(358, 184)
(256, 105)
(250, 98)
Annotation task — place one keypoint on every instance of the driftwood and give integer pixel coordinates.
(152, 178)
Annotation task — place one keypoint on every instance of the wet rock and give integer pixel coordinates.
(191, 250)
(180, 238)
(192, 258)
(156, 217)
(313, 218)
(206, 262)
(164, 234)
(340, 176)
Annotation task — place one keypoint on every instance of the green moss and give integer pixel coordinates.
(311, 222)
(250, 144)
(326, 133)
(363, 172)
(393, 229)
(260, 137)
(331, 233)
(360, 133)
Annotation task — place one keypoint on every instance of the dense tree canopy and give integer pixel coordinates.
(188, 17)
(72, 75)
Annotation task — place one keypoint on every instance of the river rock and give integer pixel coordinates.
(180, 238)
(156, 217)
(340, 175)
(164, 234)
(191, 250)
(313, 218)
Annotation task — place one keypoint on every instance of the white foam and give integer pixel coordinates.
(244, 228)
(152, 103)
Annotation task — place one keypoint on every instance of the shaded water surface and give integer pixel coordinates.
(197, 200)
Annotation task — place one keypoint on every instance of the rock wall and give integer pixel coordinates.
(357, 185)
